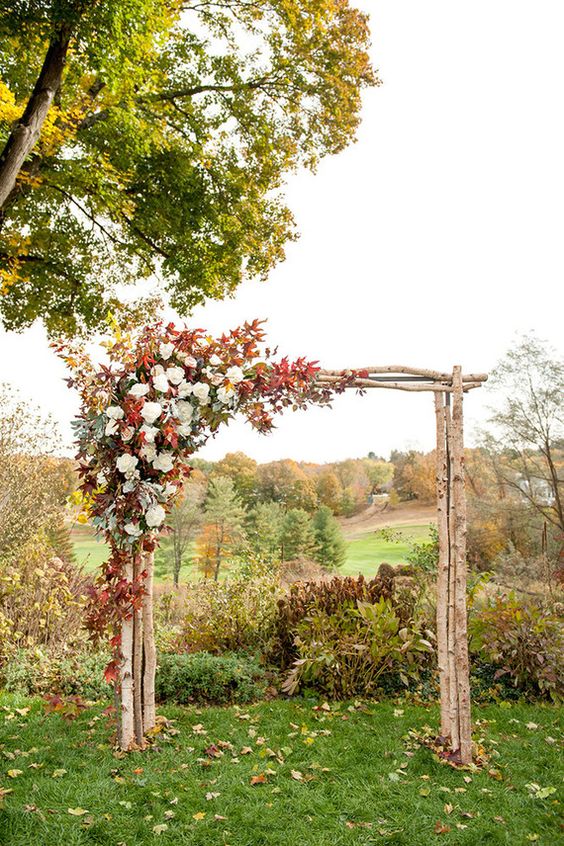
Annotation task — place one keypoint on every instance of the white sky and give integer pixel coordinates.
(430, 241)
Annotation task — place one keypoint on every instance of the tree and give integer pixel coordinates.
(298, 538)
(527, 429)
(223, 532)
(186, 517)
(152, 138)
(32, 488)
(330, 548)
(265, 527)
(242, 471)
(285, 482)
(330, 490)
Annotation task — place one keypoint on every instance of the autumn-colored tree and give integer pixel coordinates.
(286, 482)
(151, 139)
(330, 490)
(242, 471)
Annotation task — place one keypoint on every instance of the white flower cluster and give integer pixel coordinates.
(178, 401)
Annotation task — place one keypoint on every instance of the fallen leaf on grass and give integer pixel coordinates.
(76, 812)
(258, 779)
(424, 791)
(160, 829)
(246, 750)
(218, 817)
(199, 816)
(441, 827)
(210, 796)
(297, 775)
(448, 808)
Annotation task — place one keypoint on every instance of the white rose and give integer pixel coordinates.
(155, 515)
(166, 350)
(169, 490)
(175, 375)
(114, 412)
(216, 379)
(184, 430)
(202, 392)
(184, 411)
(160, 383)
(148, 452)
(139, 390)
(127, 463)
(190, 361)
(101, 479)
(111, 427)
(127, 433)
(225, 395)
(235, 375)
(151, 411)
(215, 360)
(150, 432)
(163, 462)
(185, 389)
(133, 529)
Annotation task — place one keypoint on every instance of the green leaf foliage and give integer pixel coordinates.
(166, 148)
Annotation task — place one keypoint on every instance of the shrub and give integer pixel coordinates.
(37, 672)
(524, 641)
(212, 679)
(327, 598)
(235, 615)
(41, 600)
(347, 653)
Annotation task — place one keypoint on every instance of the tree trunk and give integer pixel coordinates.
(451, 625)
(127, 732)
(150, 652)
(25, 133)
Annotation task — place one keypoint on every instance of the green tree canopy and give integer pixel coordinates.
(151, 139)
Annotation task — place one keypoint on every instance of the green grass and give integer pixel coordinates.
(366, 553)
(355, 781)
(89, 552)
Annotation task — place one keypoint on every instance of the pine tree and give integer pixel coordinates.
(298, 537)
(330, 548)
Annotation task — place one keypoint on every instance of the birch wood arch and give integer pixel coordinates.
(452, 637)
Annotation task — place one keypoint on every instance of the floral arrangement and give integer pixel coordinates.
(162, 394)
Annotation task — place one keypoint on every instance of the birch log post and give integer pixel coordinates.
(137, 663)
(443, 565)
(149, 649)
(127, 731)
(451, 619)
(459, 549)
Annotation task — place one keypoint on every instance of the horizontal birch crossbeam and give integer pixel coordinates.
(402, 378)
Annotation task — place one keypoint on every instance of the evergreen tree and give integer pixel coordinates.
(223, 531)
(266, 523)
(298, 537)
(330, 548)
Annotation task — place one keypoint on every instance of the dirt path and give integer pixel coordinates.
(376, 516)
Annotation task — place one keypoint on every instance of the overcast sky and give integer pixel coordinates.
(431, 241)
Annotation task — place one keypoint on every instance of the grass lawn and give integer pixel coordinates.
(344, 778)
(366, 553)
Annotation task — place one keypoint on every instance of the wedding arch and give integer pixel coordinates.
(161, 394)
